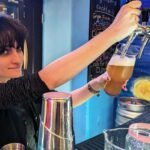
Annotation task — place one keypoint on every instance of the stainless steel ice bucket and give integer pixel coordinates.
(56, 127)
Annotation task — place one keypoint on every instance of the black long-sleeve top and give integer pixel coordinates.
(21, 90)
(18, 99)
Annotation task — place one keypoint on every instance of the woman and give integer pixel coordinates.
(20, 98)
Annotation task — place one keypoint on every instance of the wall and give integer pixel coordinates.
(56, 31)
(65, 27)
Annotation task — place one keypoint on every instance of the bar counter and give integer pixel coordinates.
(97, 142)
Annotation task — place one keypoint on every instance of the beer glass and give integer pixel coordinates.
(120, 68)
(138, 137)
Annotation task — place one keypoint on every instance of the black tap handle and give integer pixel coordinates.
(127, 1)
(145, 15)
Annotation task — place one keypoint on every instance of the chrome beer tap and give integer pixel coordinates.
(145, 39)
(131, 38)
(143, 31)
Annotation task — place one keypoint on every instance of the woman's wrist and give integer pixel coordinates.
(94, 86)
(111, 35)
(92, 90)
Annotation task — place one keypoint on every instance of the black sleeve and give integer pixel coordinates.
(21, 90)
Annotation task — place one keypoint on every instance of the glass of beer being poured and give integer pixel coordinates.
(120, 68)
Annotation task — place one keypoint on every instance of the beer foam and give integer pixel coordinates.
(116, 60)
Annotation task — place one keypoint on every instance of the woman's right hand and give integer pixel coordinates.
(126, 21)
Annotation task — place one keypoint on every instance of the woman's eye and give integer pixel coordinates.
(19, 49)
(5, 52)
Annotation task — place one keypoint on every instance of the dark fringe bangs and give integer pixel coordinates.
(10, 31)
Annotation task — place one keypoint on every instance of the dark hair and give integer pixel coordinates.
(11, 31)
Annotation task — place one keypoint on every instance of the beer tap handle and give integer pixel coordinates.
(145, 41)
(127, 1)
(131, 37)
(145, 16)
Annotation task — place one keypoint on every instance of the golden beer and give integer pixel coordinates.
(119, 69)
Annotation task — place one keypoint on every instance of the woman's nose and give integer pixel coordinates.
(15, 55)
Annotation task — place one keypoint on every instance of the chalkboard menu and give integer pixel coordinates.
(102, 13)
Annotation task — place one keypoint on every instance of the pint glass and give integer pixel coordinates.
(120, 69)
(138, 137)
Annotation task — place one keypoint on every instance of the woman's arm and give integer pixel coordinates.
(82, 94)
(66, 67)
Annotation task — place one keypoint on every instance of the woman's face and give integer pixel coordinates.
(11, 62)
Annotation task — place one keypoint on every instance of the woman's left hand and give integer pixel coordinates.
(99, 82)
